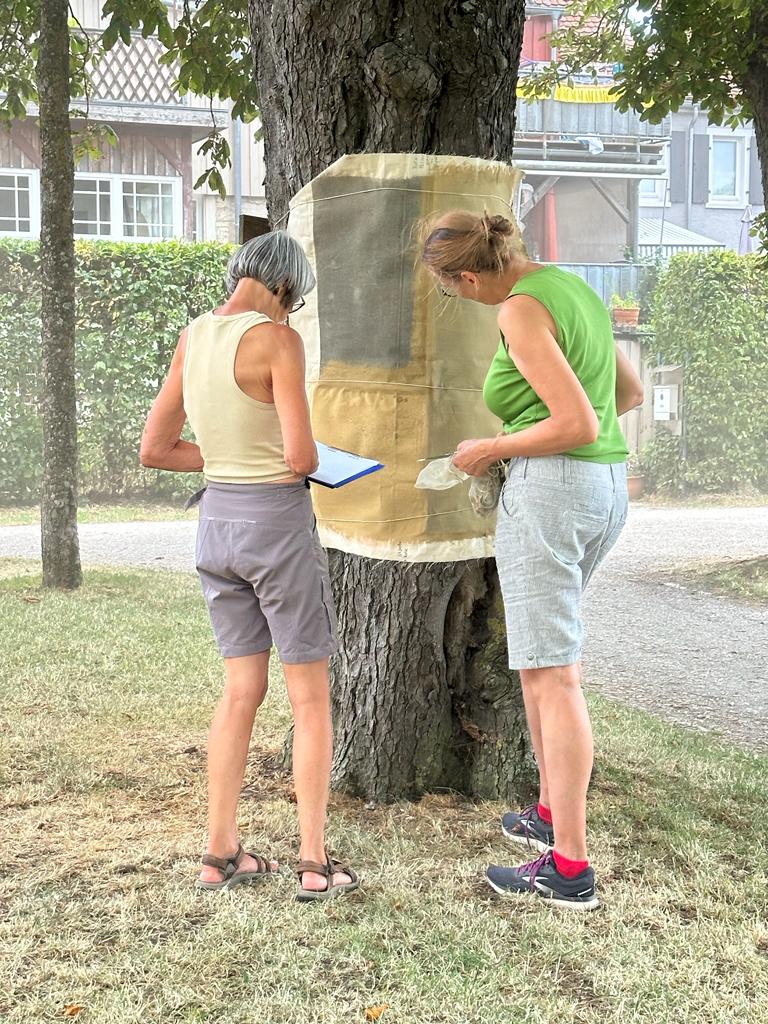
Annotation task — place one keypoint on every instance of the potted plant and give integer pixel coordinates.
(626, 310)
(635, 476)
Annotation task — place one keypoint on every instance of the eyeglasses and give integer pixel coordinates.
(297, 306)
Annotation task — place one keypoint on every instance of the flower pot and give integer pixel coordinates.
(635, 487)
(628, 317)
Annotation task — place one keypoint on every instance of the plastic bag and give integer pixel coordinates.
(439, 475)
(484, 491)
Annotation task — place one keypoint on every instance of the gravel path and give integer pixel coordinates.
(688, 657)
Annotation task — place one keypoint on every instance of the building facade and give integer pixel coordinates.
(583, 159)
(602, 185)
(141, 189)
(599, 184)
(711, 178)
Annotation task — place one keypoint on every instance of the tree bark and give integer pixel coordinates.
(60, 546)
(423, 76)
(756, 88)
(421, 692)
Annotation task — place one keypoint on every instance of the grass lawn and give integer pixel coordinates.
(114, 512)
(747, 578)
(106, 695)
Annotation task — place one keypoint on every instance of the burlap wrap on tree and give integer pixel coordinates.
(394, 369)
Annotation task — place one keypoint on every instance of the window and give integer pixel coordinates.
(725, 166)
(655, 191)
(105, 206)
(93, 206)
(727, 170)
(149, 209)
(536, 45)
(18, 203)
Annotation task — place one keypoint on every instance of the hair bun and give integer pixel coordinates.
(497, 225)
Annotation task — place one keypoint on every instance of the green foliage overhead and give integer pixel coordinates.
(669, 51)
(710, 312)
(19, 47)
(133, 301)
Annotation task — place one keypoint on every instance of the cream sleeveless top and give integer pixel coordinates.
(239, 438)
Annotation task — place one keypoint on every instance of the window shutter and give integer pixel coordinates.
(678, 167)
(700, 168)
(756, 197)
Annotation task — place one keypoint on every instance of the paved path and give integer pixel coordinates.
(689, 657)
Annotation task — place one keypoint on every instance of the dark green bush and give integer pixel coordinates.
(132, 302)
(711, 316)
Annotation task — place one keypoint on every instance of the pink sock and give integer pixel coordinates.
(569, 868)
(544, 813)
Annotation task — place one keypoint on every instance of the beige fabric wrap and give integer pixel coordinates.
(394, 370)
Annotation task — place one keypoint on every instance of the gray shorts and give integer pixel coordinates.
(558, 517)
(264, 572)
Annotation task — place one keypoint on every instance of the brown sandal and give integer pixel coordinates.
(327, 870)
(228, 867)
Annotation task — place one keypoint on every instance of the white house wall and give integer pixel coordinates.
(721, 224)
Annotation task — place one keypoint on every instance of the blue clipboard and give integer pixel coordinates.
(338, 467)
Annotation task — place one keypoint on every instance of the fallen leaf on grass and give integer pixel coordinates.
(375, 1012)
(30, 599)
(72, 1009)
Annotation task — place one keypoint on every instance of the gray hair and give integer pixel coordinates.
(275, 259)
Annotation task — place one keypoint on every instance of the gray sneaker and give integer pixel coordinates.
(528, 829)
(541, 878)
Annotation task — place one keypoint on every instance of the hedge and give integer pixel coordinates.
(132, 302)
(711, 316)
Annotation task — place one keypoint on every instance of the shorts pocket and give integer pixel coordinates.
(506, 498)
(203, 529)
(328, 605)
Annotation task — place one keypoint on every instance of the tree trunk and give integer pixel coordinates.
(422, 695)
(60, 547)
(756, 88)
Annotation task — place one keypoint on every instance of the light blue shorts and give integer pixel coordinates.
(558, 517)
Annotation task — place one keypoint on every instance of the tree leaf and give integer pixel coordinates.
(376, 1012)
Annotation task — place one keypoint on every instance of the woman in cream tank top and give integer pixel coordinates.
(238, 377)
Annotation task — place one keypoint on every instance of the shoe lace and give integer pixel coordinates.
(533, 867)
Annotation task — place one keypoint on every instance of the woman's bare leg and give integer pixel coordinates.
(228, 742)
(308, 691)
(534, 728)
(566, 739)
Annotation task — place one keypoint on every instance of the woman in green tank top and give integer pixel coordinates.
(558, 385)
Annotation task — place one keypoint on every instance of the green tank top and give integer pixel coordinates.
(585, 336)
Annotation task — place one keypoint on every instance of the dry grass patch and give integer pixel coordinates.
(106, 695)
(745, 578)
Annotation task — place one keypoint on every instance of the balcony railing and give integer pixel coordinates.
(580, 119)
(134, 74)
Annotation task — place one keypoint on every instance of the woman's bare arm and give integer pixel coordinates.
(629, 387)
(529, 333)
(290, 394)
(161, 444)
